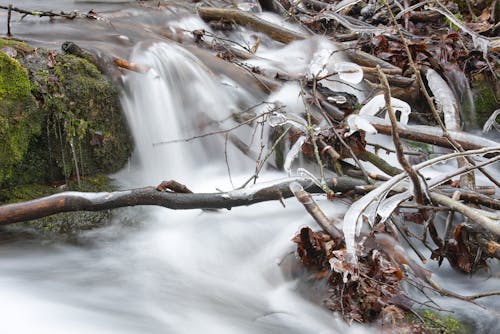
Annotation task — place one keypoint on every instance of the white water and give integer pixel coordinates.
(176, 272)
(180, 271)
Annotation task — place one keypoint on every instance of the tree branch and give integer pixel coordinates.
(274, 31)
(86, 201)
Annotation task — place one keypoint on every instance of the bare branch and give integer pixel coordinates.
(84, 201)
(417, 187)
(315, 211)
(476, 215)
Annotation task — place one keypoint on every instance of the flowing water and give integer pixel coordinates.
(154, 270)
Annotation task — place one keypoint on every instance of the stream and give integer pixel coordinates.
(154, 270)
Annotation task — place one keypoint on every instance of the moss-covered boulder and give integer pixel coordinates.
(20, 119)
(60, 116)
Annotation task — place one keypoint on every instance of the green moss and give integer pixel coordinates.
(28, 192)
(19, 117)
(88, 106)
(19, 46)
(442, 324)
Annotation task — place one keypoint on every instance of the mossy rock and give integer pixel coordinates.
(485, 101)
(79, 126)
(20, 119)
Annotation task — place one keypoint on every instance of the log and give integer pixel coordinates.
(251, 21)
(87, 201)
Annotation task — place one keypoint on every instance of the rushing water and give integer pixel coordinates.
(178, 272)
(153, 270)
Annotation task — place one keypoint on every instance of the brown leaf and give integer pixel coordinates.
(485, 15)
(310, 248)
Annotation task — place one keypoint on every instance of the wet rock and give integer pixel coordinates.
(55, 107)
(19, 116)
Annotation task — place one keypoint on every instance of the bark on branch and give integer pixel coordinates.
(82, 201)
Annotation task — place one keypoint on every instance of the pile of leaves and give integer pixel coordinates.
(375, 295)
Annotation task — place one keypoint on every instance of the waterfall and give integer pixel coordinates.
(171, 271)
(168, 107)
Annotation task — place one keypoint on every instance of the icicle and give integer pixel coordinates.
(364, 208)
(295, 187)
(377, 103)
(75, 160)
(492, 122)
(317, 66)
(302, 172)
(356, 123)
(445, 99)
(277, 119)
(349, 72)
(387, 207)
(338, 99)
(293, 153)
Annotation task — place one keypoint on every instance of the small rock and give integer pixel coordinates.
(11, 52)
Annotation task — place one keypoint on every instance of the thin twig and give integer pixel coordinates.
(41, 13)
(9, 15)
(417, 187)
(207, 134)
(260, 165)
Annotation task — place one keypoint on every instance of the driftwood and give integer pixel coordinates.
(86, 201)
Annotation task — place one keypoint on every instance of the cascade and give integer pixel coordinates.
(152, 270)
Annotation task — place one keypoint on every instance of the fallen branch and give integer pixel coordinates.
(431, 135)
(479, 216)
(274, 31)
(315, 211)
(86, 201)
(379, 163)
(42, 13)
